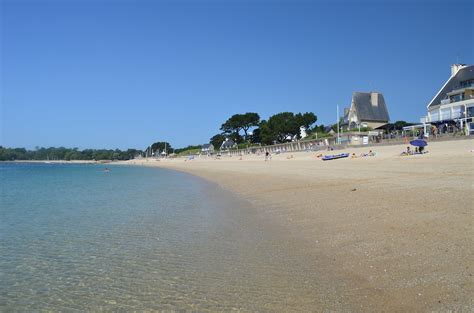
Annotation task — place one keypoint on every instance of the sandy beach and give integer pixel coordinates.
(386, 233)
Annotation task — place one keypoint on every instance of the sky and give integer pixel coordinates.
(124, 74)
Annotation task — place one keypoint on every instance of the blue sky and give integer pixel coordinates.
(120, 74)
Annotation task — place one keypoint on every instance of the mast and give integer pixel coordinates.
(338, 124)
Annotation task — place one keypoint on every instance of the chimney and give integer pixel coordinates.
(455, 68)
(374, 98)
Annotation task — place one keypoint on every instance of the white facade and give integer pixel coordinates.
(454, 102)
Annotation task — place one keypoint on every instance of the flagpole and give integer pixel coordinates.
(338, 124)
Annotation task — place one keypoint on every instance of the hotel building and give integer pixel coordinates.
(454, 102)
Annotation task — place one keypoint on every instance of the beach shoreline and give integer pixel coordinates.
(397, 230)
(57, 161)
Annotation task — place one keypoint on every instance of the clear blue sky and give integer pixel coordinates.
(119, 74)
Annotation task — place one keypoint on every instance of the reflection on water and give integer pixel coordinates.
(74, 237)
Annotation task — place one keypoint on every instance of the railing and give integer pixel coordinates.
(446, 101)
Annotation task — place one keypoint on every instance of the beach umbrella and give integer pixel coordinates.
(419, 143)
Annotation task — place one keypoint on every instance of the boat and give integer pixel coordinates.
(335, 157)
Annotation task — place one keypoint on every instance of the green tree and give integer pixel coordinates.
(217, 140)
(267, 135)
(256, 136)
(398, 125)
(238, 122)
(161, 146)
(285, 126)
(305, 120)
(62, 153)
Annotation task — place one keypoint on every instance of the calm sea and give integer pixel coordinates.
(76, 238)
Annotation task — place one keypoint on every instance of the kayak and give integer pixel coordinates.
(335, 157)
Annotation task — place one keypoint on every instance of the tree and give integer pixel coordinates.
(267, 135)
(285, 126)
(256, 136)
(238, 122)
(398, 125)
(160, 146)
(217, 140)
(306, 120)
(62, 153)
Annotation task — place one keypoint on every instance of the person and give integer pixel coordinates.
(420, 150)
(267, 156)
(416, 150)
(408, 151)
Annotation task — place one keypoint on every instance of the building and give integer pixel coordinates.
(453, 105)
(368, 109)
(228, 144)
(329, 130)
(303, 133)
(207, 148)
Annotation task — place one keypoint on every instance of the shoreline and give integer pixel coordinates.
(57, 162)
(397, 230)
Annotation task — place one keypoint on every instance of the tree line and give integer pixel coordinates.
(281, 127)
(241, 128)
(66, 154)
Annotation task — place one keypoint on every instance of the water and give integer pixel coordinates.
(76, 238)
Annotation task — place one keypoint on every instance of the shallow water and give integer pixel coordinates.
(76, 238)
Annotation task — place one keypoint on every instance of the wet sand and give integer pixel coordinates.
(384, 233)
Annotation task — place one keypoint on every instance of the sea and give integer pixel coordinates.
(76, 237)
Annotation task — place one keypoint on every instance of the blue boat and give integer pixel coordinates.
(335, 157)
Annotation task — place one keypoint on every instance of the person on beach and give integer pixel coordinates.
(267, 156)
(407, 152)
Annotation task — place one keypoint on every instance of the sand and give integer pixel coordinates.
(392, 233)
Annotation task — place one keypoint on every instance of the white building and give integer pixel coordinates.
(454, 102)
(207, 148)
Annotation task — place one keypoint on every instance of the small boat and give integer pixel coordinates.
(335, 157)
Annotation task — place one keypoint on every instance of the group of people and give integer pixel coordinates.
(363, 155)
(418, 150)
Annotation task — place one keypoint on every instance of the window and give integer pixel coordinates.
(470, 112)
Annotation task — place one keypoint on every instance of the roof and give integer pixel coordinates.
(465, 73)
(228, 144)
(327, 129)
(366, 111)
(207, 146)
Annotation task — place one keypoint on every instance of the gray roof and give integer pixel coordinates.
(453, 83)
(207, 146)
(366, 111)
(327, 129)
(228, 144)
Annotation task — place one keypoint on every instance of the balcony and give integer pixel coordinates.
(456, 99)
(445, 101)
